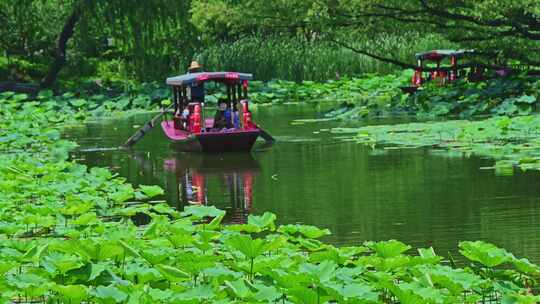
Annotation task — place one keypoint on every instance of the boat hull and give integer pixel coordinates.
(213, 141)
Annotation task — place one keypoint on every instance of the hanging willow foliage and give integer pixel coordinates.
(152, 37)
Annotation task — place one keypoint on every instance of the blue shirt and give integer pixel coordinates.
(228, 113)
(197, 89)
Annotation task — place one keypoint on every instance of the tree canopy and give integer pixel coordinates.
(154, 37)
(510, 28)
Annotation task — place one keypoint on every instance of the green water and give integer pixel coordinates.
(420, 197)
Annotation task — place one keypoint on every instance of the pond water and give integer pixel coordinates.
(420, 197)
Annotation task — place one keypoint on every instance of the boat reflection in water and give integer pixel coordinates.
(225, 181)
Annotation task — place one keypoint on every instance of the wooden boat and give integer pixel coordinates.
(469, 64)
(210, 141)
(441, 74)
(196, 133)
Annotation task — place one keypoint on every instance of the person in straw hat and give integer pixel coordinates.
(194, 67)
(196, 90)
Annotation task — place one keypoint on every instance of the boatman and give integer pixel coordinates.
(196, 89)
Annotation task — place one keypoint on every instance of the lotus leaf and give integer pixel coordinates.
(306, 230)
(249, 228)
(520, 299)
(110, 294)
(198, 293)
(172, 274)
(73, 293)
(523, 265)
(202, 211)
(362, 293)
(89, 218)
(61, 263)
(265, 221)
(141, 274)
(6, 266)
(390, 249)
(239, 289)
(304, 295)
(321, 272)
(151, 191)
(485, 253)
(250, 248)
(26, 281)
(123, 193)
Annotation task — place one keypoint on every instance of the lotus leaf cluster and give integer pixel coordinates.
(517, 95)
(376, 95)
(370, 90)
(509, 96)
(73, 234)
(368, 95)
(83, 105)
(513, 142)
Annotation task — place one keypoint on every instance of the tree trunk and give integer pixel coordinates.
(60, 57)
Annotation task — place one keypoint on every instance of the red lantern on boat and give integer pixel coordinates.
(417, 77)
(453, 72)
(196, 119)
(247, 120)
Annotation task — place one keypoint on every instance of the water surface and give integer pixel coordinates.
(418, 196)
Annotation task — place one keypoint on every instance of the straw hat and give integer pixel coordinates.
(194, 65)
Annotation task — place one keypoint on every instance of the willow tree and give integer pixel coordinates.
(151, 36)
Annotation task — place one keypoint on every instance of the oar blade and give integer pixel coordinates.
(266, 136)
(145, 129)
(139, 134)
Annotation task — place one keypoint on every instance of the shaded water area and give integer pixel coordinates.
(418, 196)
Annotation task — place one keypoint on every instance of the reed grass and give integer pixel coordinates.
(294, 58)
(275, 57)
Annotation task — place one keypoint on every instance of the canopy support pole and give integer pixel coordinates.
(245, 85)
(233, 100)
(175, 98)
(184, 96)
(233, 103)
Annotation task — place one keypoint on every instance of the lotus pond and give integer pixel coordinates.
(72, 232)
(420, 196)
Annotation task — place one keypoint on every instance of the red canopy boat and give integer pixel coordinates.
(193, 132)
(441, 74)
(472, 65)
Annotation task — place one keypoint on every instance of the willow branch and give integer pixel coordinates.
(374, 56)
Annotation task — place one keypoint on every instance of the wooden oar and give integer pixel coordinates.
(265, 135)
(144, 129)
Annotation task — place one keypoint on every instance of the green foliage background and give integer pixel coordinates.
(293, 40)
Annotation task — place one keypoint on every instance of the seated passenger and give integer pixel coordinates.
(177, 119)
(181, 118)
(185, 118)
(236, 117)
(222, 118)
